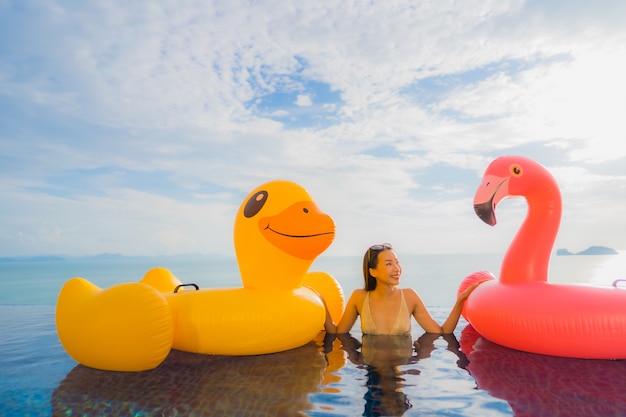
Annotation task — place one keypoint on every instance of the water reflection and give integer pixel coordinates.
(540, 385)
(36, 375)
(188, 384)
(384, 359)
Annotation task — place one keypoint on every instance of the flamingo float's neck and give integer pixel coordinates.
(528, 256)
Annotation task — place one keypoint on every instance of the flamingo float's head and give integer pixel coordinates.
(511, 176)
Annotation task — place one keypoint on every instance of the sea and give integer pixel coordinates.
(37, 281)
(460, 375)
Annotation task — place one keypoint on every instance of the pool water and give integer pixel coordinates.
(459, 375)
(463, 375)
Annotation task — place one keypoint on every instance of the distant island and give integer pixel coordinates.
(60, 258)
(591, 250)
(99, 257)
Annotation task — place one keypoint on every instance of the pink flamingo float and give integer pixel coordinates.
(521, 309)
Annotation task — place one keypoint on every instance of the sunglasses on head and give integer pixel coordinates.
(377, 248)
(381, 247)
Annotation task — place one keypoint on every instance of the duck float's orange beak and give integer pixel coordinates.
(301, 230)
(491, 191)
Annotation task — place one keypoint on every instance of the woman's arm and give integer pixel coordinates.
(329, 325)
(453, 318)
(425, 320)
(420, 313)
(349, 316)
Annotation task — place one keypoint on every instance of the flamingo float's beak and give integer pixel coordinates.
(492, 189)
(486, 212)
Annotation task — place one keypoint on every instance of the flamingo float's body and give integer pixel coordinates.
(521, 309)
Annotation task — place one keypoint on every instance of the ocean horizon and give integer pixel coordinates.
(38, 280)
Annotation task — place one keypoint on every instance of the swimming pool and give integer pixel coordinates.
(461, 375)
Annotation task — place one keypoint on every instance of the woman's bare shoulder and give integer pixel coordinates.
(358, 294)
(354, 303)
(411, 296)
(410, 293)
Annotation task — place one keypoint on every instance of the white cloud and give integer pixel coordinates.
(101, 98)
(303, 100)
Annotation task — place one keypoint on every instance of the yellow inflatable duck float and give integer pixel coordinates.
(279, 231)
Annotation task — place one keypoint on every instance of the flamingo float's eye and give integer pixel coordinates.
(516, 170)
(255, 204)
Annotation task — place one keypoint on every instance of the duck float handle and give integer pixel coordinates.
(279, 231)
(186, 285)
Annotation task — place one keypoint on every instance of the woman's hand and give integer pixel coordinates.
(463, 296)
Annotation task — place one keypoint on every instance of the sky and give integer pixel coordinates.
(139, 127)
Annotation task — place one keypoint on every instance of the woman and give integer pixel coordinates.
(386, 309)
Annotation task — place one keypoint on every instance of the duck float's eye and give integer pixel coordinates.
(516, 170)
(255, 204)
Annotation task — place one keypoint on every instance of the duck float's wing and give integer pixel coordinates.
(329, 289)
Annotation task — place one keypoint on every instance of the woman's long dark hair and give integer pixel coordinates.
(370, 260)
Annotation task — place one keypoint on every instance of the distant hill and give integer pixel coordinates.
(591, 250)
(40, 258)
(59, 258)
(99, 257)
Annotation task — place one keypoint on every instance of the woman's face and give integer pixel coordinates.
(388, 269)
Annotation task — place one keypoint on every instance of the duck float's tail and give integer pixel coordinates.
(127, 327)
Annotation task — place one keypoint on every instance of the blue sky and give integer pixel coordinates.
(139, 129)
